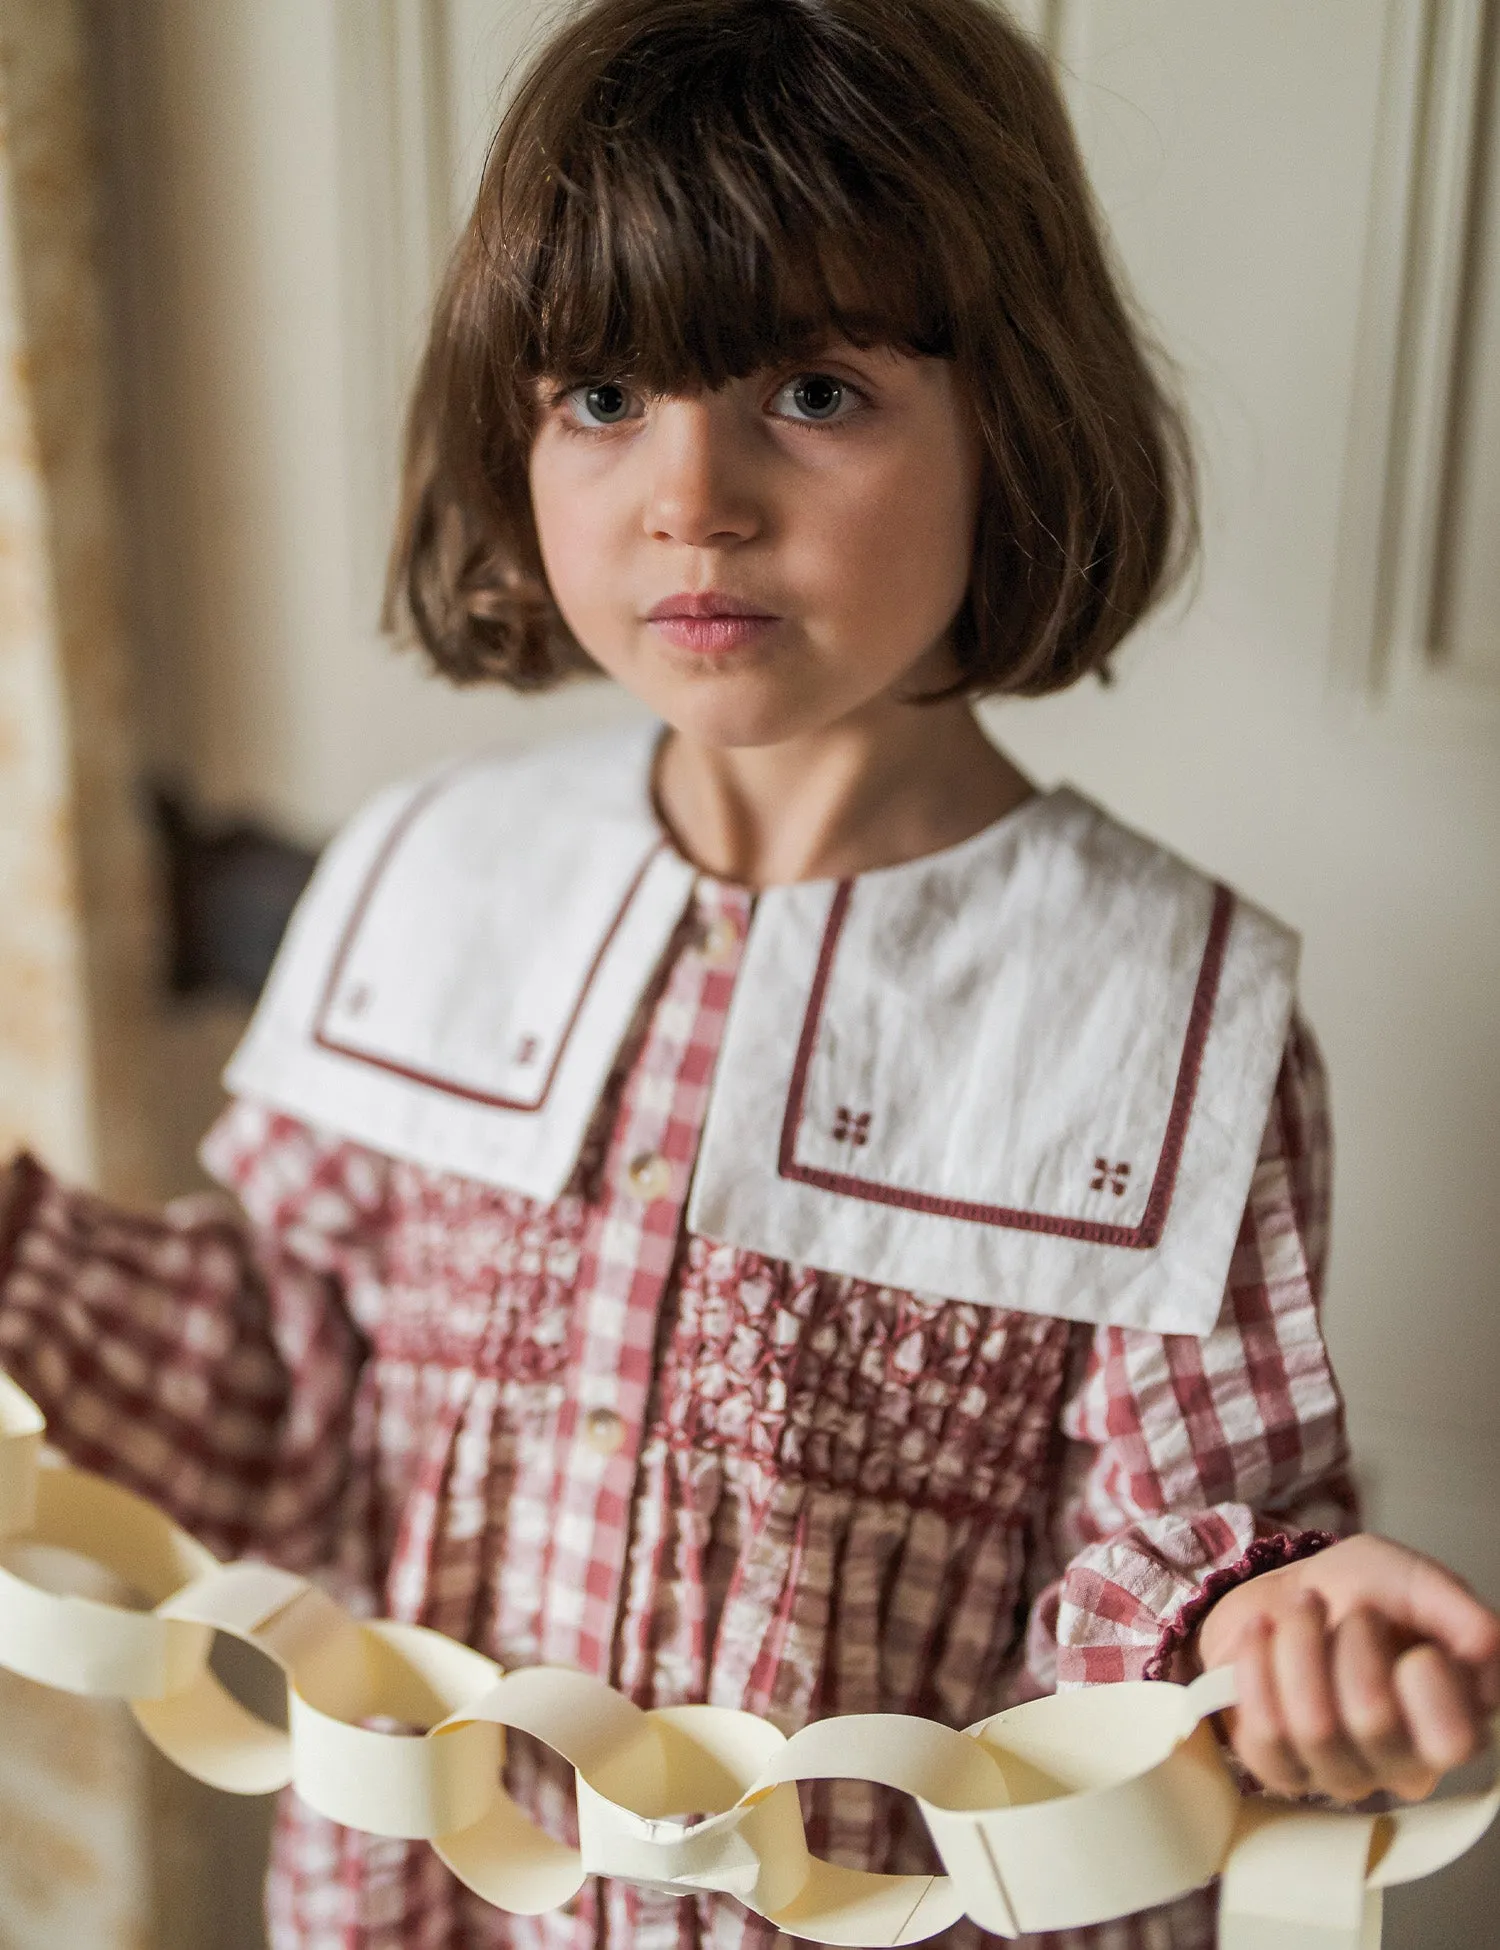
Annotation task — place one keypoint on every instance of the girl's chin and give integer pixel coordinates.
(741, 715)
(734, 703)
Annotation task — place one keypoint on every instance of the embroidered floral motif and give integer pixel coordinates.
(1109, 1176)
(850, 1127)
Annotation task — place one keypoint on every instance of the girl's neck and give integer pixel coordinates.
(856, 796)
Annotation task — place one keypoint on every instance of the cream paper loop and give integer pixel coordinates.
(939, 1768)
(82, 1645)
(608, 1741)
(1053, 1815)
(693, 1826)
(639, 1774)
(417, 1784)
(201, 1727)
(1124, 1784)
(1298, 1870)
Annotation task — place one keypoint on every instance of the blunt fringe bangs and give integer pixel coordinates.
(684, 191)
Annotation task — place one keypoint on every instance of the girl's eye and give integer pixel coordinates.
(605, 405)
(818, 396)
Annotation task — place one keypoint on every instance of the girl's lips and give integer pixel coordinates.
(712, 635)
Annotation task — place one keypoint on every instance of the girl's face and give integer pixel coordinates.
(836, 499)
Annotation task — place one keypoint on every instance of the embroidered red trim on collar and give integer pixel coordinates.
(1153, 1221)
(325, 1039)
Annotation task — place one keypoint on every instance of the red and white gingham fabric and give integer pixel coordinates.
(575, 1433)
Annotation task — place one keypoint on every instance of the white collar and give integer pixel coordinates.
(1031, 1070)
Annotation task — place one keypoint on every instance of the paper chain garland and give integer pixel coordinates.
(1057, 1814)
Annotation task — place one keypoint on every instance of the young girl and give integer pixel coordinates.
(772, 1208)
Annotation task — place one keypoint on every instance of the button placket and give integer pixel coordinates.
(627, 1265)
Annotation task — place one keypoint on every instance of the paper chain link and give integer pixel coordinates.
(1060, 1813)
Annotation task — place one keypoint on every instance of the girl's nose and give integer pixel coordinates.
(699, 488)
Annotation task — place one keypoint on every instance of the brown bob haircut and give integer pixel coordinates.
(686, 191)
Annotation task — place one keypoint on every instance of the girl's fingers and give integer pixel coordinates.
(1303, 1668)
(1435, 1702)
(1345, 1712)
(1364, 1663)
(1441, 1606)
(1258, 1732)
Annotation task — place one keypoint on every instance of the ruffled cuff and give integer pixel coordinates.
(1265, 1554)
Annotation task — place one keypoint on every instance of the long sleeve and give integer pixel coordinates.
(1187, 1463)
(206, 1362)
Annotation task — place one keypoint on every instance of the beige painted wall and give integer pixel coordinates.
(272, 274)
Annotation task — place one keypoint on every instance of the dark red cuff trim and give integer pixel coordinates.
(27, 1179)
(1264, 1554)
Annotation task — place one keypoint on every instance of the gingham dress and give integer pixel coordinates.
(577, 1433)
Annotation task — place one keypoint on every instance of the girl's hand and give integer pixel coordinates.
(1365, 1667)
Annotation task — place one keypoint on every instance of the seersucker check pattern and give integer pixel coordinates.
(575, 1433)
